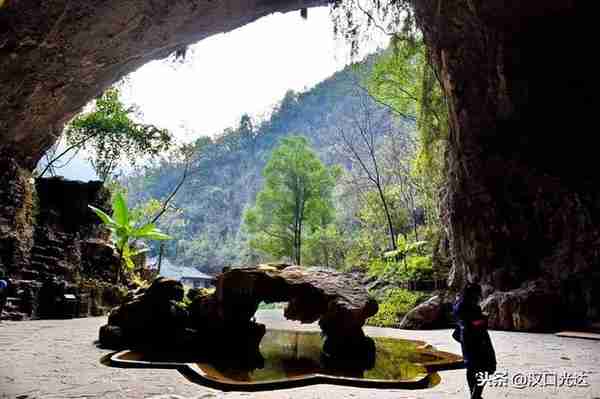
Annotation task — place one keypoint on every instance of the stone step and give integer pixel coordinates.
(12, 303)
(37, 267)
(48, 260)
(595, 327)
(579, 334)
(42, 242)
(58, 241)
(48, 250)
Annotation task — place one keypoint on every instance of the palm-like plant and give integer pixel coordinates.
(124, 230)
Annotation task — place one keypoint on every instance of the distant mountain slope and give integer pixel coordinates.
(226, 173)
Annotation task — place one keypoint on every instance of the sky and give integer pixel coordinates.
(247, 70)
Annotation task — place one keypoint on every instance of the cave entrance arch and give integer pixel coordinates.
(513, 213)
(57, 56)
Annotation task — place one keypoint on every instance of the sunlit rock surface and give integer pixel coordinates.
(340, 303)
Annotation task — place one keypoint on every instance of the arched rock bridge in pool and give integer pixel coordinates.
(216, 342)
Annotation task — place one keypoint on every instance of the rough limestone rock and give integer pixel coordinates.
(99, 259)
(16, 223)
(67, 244)
(67, 240)
(152, 319)
(522, 199)
(225, 318)
(424, 315)
(436, 312)
(56, 56)
(339, 302)
(530, 308)
(336, 299)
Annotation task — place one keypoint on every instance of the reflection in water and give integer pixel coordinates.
(289, 354)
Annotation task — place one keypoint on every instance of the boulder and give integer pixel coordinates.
(436, 312)
(99, 259)
(165, 289)
(339, 302)
(533, 307)
(425, 315)
(334, 298)
(111, 337)
(153, 318)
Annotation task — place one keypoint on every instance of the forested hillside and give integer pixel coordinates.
(225, 171)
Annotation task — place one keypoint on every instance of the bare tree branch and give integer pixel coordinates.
(71, 147)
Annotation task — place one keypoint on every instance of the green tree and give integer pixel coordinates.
(359, 142)
(326, 246)
(404, 80)
(112, 136)
(373, 218)
(296, 197)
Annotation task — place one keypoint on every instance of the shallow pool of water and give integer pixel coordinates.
(291, 354)
(297, 356)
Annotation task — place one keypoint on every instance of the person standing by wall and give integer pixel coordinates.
(472, 333)
(3, 292)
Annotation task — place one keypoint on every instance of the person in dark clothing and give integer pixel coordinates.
(3, 292)
(472, 333)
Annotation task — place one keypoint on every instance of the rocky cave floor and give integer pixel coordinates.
(58, 359)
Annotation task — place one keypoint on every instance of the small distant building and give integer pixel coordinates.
(197, 279)
(189, 276)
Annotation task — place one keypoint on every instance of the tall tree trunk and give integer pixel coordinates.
(388, 216)
(415, 227)
(299, 241)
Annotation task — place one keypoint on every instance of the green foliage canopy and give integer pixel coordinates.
(111, 135)
(404, 80)
(296, 195)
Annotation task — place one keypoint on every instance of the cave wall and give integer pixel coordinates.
(55, 56)
(51, 244)
(67, 234)
(16, 223)
(522, 202)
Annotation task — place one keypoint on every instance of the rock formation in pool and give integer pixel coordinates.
(154, 319)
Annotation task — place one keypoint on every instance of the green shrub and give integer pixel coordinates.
(379, 267)
(417, 268)
(270, 306)
(393, 306)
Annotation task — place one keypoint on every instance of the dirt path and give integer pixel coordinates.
(58, 359)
